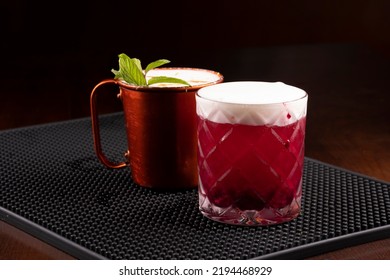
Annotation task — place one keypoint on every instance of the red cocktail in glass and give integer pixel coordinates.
(251, 152)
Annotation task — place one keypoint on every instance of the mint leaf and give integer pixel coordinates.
(163, 79)
(118, 74)
(156, 64)
(138, 63)
(130, 70)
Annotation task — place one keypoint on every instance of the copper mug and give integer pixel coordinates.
(161, 128)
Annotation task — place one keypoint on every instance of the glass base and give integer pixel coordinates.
(235, 216)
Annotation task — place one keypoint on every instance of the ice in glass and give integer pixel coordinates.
(251, 151)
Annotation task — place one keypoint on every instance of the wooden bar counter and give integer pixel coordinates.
(348, 121)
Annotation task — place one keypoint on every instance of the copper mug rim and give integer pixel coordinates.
(174, 88)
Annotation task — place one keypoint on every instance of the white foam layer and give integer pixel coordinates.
(252, 103)
(194, 77)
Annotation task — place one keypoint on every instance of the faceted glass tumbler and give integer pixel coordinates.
(250, 159)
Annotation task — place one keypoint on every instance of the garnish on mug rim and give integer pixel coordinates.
(130, 71)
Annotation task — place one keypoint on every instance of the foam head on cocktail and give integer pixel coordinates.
(251, 151)
(194, 77)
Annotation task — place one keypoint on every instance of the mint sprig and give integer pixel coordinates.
(130, 70)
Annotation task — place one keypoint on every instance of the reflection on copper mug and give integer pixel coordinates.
(161, 128)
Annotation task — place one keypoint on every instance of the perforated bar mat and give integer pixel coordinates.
(53, 187)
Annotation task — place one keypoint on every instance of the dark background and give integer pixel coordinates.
(53, 53)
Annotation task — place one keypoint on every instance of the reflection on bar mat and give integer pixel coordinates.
(52, 186)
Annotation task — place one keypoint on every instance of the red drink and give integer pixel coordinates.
(244, 176)
(250, 174)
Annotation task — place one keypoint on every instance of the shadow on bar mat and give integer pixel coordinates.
(53, 187)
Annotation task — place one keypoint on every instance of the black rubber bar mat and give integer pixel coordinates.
(53, 187)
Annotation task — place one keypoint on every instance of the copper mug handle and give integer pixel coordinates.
(96, 131)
